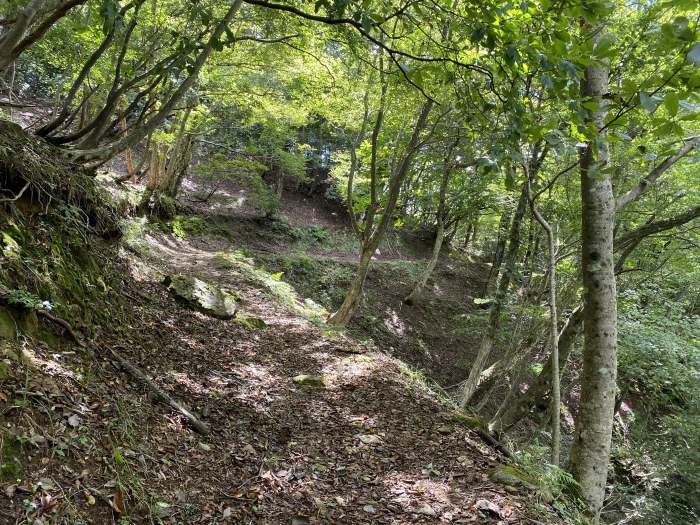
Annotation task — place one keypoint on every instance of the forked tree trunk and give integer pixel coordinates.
(590, 451)
(373, 233)
(167, 168)
(488, 340)
(106, 152)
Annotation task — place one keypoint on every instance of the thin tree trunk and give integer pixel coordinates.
(590, 452)
(352, 298)
(87, 67)
(373, 234)
(488, 340)
(440, 236)
(108, 151)
(495, 269)
(430, 267)
(553, 328)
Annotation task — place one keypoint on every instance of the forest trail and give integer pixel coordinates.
(368, 447)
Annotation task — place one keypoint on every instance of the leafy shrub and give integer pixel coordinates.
(182, 226)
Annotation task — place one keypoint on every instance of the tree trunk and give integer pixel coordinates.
(500, 249)
(15, 40)
(553, 330)
(440, 236)
(108, 151)
(590, 450)
(167, 169)
(487, 342)
(415, 294)
(352, 298)
(373, 234)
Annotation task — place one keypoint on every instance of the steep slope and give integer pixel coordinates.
(307, 425)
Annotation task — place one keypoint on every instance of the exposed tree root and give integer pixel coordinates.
(62, 323)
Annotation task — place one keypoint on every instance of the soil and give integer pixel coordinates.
(373, 445)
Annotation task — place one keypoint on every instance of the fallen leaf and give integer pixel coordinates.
(370, 439)
(486, 505)
(118, 501)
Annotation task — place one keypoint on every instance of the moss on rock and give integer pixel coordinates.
(8, 328)
(207, 298)
(309, 381)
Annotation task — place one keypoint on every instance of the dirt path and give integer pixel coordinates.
(371, 446)
(366, 448)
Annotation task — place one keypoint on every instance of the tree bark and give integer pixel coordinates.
(440, 235)
(553, 328)
(590, 452)
(373, 234)
(487, 342)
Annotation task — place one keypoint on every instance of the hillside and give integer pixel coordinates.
(367, 441)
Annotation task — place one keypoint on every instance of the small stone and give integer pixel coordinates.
(426, 510)
(369, 509)
(445, 429)
(488, 506)
(74, 421)
(309, 381)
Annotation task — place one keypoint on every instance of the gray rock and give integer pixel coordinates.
(205, 297)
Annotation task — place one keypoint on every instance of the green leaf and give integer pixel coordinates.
(604, 46)
(671, 103)
(108, 12)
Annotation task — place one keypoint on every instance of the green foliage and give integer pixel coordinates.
(553, 484)
(659, 372)
(183, 226)
(321, 279)
(25, 299)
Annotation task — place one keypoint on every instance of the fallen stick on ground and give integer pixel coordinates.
(136, 373)
(161, 395)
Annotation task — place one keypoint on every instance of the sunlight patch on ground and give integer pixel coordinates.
(422, 496)
(51, 367)
(185, 380)
(394, 324)
(350, 369)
